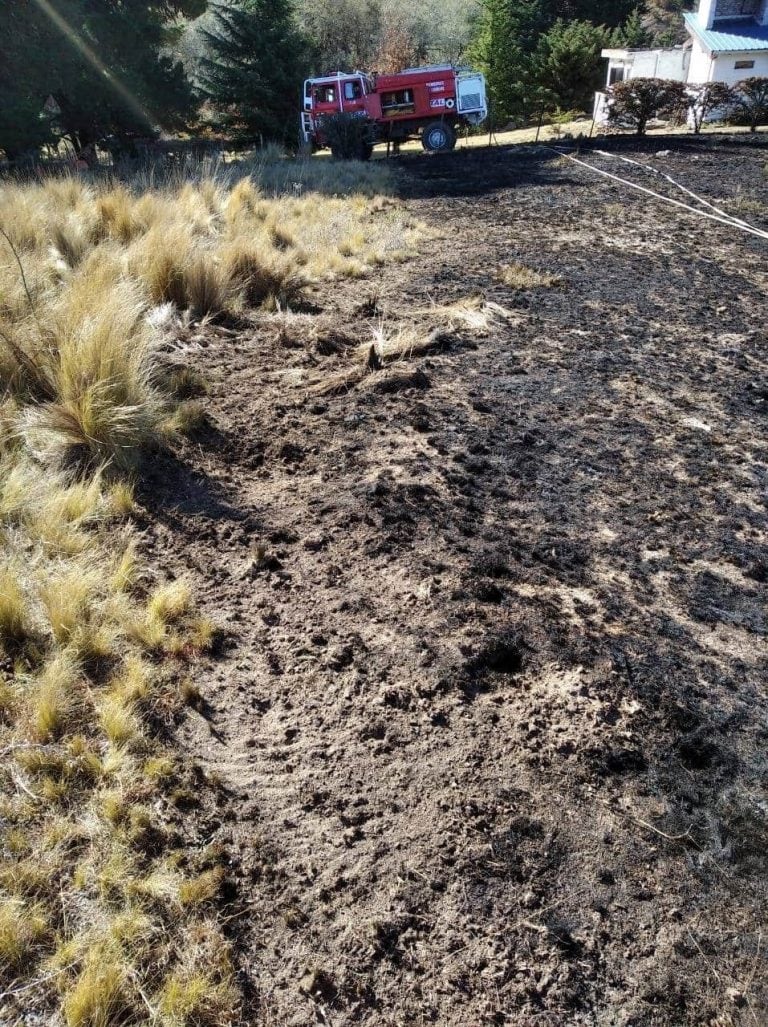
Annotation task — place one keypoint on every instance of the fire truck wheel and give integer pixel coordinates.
(438, 137)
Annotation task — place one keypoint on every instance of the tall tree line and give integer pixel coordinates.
(88, 71)
(546, 53)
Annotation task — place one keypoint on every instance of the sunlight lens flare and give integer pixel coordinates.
(76, 40)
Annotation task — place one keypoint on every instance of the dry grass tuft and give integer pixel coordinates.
(121, 499)
(169, 603)
(264, 278)
(15, 626)
(518, 276)
(186, 383)
(101, 995)
(119, 217)
(70, 243)
(402, 343)
(23, 927)
(474, 313)
(207, 288)
(56, 698)
(189, 417)
(175, 269)
(201, 889)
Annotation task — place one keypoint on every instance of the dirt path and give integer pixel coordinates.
(490, 720)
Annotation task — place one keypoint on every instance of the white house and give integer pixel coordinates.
(728, 41)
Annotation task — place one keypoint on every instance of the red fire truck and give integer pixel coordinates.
(431, 102)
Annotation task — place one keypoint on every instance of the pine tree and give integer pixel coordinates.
(254, 67)
(600, 12)
(24, 126)
(120, 80)
(506, 36)
(105, 63)
(568, 63)
(633, 33)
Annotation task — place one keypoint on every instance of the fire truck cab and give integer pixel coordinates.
(337, 93)
(431, 102)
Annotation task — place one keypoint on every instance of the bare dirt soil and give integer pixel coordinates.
(488, 724)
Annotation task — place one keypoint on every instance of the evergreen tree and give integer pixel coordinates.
(24, 126)
(116, 75)
(254, 66)
(633, 33)
(506, 37)
(600, 12)
(104, 63)
(568, 63)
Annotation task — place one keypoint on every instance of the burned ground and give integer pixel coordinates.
(488, 719)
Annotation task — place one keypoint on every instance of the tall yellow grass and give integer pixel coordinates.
(98, 923)
(82, 265)
(80, 686)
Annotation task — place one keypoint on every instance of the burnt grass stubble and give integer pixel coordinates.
(487, 728)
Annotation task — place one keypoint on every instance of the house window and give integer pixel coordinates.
(741, 65)
(617, 75)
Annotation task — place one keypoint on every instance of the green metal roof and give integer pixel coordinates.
(730, 36)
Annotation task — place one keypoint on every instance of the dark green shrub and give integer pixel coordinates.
(349, 136)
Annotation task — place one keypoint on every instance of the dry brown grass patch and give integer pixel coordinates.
(473, 313)
(518, 276)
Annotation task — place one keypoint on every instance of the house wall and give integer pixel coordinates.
(724, 69)
(656, 64)
(650, 64)
(707, 10)
(673, 64)
(644, 64)
(700, 69)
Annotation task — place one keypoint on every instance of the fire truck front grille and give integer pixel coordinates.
(469, 102)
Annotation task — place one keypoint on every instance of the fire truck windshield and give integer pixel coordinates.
(325, 94)
(352, 90)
